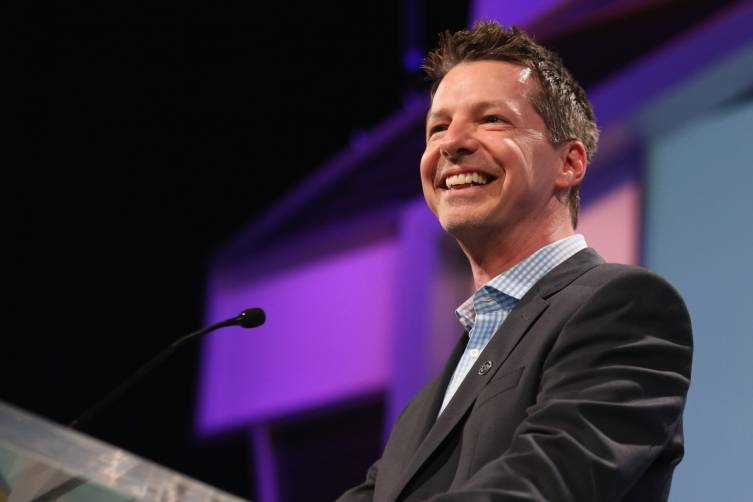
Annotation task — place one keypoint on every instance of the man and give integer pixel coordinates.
(570, 380)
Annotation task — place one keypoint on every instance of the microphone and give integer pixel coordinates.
(249, 318)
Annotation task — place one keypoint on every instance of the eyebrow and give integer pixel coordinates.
(476, 107)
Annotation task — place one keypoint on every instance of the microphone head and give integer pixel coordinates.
(251, 318)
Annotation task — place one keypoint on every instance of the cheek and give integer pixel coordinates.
(526, 161)
(519, 150)
(546, 167)
(428, 165)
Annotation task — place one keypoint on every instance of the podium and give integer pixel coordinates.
(41, 461)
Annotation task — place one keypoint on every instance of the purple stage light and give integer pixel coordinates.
(326, 338)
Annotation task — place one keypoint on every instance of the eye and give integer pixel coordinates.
(437, 128)
(495, 119)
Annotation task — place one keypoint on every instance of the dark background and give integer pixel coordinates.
(140, 138)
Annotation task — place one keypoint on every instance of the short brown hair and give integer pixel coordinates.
(561, 102)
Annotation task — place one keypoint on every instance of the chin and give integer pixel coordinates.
(463, 227)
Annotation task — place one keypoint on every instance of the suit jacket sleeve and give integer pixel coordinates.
(612, 392)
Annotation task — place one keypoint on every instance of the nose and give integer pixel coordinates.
(457, 142)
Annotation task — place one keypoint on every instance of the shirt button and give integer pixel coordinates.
(475, 353)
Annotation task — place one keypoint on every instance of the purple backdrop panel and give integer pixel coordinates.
(625, 94)
(512, 13)
(326, 338)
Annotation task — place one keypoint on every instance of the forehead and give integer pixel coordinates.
(485, 81)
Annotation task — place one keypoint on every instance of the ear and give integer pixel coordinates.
(573, 166)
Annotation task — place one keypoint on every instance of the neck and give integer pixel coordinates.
(491, 255)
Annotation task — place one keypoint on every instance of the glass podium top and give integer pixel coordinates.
(41, 461)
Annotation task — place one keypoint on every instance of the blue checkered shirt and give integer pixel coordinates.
(484, 312)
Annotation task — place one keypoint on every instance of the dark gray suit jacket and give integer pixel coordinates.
(583, 400)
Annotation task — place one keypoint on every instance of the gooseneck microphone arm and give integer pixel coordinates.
(249, 318)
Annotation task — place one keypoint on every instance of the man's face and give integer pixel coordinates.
(488, 164)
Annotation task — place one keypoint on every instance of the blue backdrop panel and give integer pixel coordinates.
(699, 234)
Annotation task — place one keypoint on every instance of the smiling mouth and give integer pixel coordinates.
(466, 180)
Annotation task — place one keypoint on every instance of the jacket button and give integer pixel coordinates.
(484, 369)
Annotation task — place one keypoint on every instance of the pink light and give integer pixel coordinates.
(611, 224)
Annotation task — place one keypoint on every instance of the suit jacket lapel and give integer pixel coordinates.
(502, 343)
(428, 407)
(496, 351)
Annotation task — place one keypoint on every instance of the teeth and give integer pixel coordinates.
(466, 179)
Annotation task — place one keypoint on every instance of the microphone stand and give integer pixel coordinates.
(249, 318)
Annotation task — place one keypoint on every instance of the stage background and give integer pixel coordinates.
(170, 165)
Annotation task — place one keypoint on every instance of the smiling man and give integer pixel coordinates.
(569, 381)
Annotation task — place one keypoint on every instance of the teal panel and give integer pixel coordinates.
(699, 234)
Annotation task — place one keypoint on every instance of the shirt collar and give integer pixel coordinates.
(506, 289)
